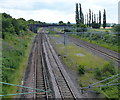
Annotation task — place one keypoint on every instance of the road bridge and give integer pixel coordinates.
(34, 27)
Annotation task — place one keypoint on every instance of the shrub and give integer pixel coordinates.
(109, 68)
(95, 25)
(116, 28)
(106, 71)
(67, 30)
(98, 74)
(81, 69)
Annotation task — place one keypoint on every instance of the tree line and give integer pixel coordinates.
(15, 26)
(90, 19)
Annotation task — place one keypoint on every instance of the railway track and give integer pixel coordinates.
(64, 86)
(45, 71)
(36, 74)
(41, 78)
(106, 52)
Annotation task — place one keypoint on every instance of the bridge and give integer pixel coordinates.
(34, 27)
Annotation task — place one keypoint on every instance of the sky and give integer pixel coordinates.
(53, 11)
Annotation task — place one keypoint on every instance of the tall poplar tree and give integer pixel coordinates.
(77, 15)
(89, 17)
(81, 16)
(104, 19)
(92, 19)
(87, 20)
(99, 18)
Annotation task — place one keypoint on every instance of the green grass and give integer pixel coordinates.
(89, 61)
(55, 35)
(14, 60)
(101, 30)
(72, 50)
(100, 43)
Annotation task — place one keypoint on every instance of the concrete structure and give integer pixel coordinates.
(119, 12)
(33, 27)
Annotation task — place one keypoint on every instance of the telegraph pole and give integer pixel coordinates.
(65, 45)
(21, 43)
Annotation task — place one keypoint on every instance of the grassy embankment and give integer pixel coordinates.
(90, 68)
(109, 41)
(14, 58)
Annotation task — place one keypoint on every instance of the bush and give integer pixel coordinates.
(81, 69)
(109, 68)
(98, 74)
(67, 30)
(106, 71)
(116, 28)
(95, 25)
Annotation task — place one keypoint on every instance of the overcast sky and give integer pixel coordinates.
(53, 11)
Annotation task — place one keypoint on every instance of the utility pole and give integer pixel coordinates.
(21, 43)
(64, 38)
(65, 49)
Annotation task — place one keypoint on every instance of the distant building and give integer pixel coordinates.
(119, 12)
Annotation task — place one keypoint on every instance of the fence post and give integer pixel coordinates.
(90, 36)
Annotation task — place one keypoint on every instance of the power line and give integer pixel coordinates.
(100, 81)
(24, 87)
(107, 85)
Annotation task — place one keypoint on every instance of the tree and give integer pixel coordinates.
(31, 21)
(77, 15)
(16, 25)
(6, 15)
(60, 22)
(81, 16)
(95, 23)
(23, 23)
(99, 18)
(89, 17)
(92, 19)
(82, 19)
(68, 23)
(87, 20)
(104, 19)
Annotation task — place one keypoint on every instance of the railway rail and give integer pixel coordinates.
(66, 88)
(36, 74)
(45, 71)
(106, 52)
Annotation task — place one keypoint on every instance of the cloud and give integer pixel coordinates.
(56, 10)
(41, 15)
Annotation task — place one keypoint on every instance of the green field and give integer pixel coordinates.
(91, 68)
